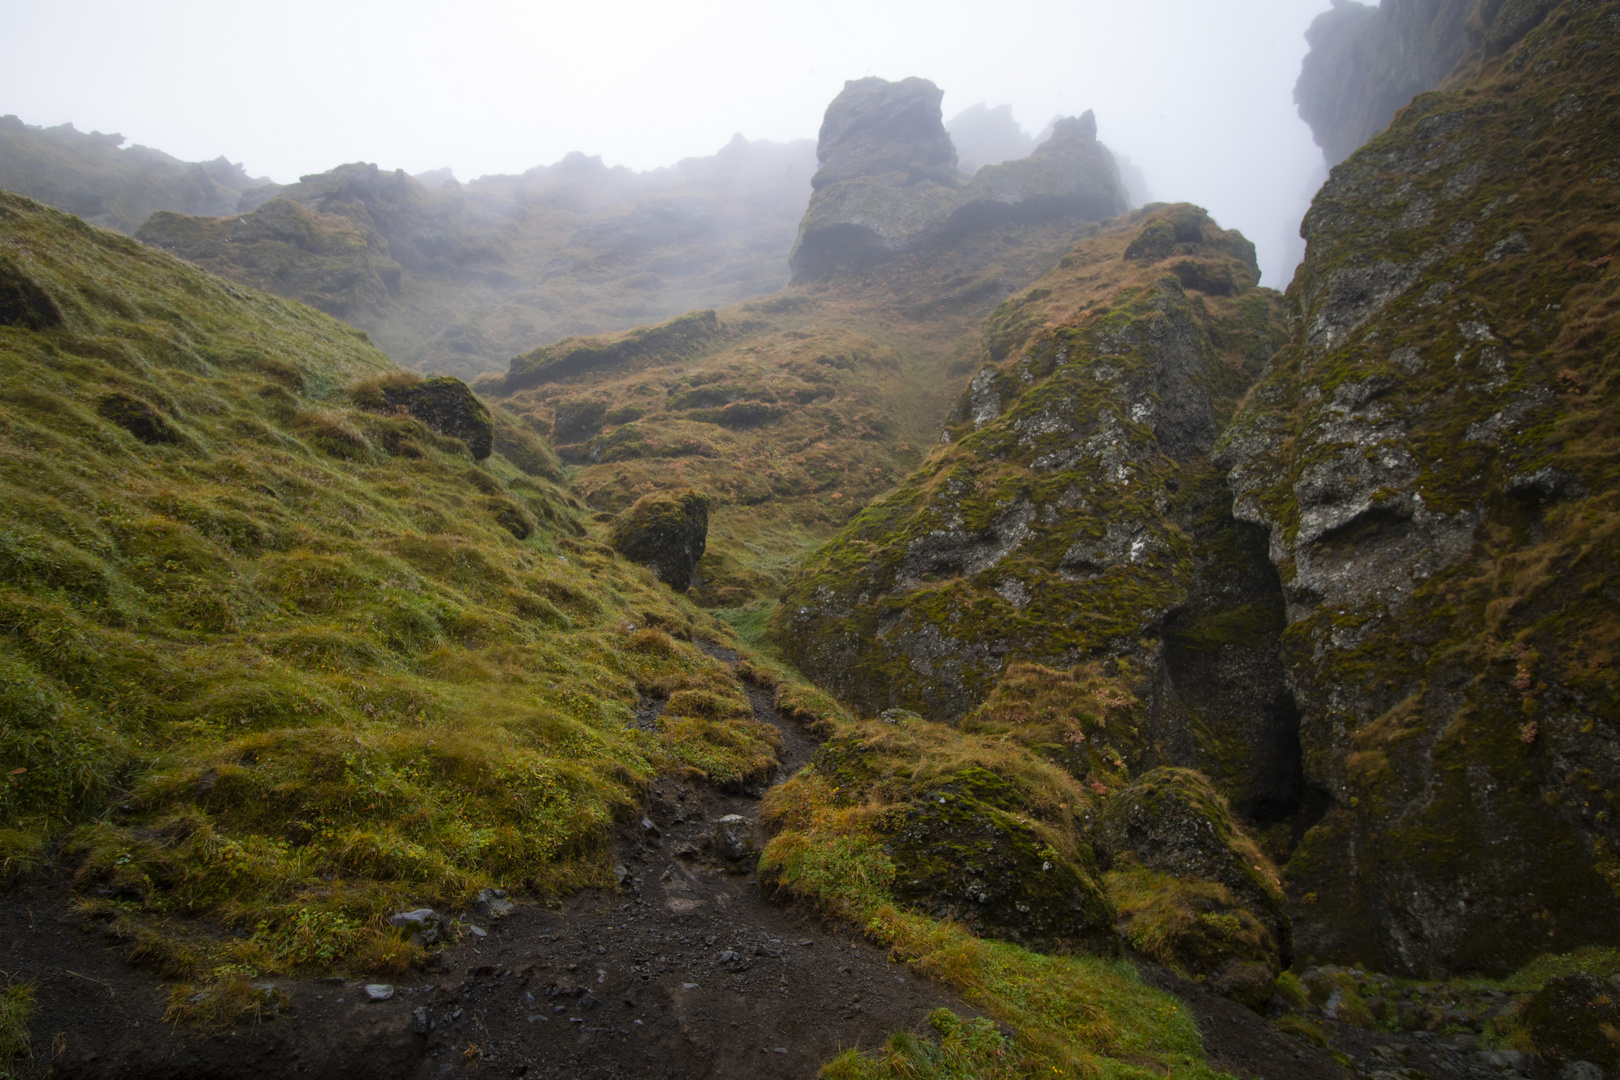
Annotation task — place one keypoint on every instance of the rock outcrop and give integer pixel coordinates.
(667, 532)
(1367, 62)
(1431, 459)
(444, 404)
(889, 182)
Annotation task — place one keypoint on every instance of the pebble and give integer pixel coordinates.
(379, 991)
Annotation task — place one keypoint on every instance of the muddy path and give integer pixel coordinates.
(685, 973)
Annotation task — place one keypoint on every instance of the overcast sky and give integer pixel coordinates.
(1198, 94)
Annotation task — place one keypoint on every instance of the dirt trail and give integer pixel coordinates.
(686, 972)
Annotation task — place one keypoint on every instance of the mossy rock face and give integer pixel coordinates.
(1218, 914)
(1577, 1018)
(140, 418)
(23, 303)
(667, 532)
(961, 851)
(445, 404)
(1431, 459)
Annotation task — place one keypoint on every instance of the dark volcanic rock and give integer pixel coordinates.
(962, 852)
(1221, 920)
(1406, 453)
(889, 182)
(666, 532)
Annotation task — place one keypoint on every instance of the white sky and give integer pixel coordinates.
(1199, 94)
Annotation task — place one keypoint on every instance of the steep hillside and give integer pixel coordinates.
(1366, 63)
(1433, 460)
(108, 184)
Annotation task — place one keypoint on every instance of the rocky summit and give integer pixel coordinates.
(993, 634)
(889, 182)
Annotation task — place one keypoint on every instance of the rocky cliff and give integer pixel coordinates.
(1432, 459)
(889, 181)
(1072, 512)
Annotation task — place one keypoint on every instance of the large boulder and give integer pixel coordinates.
(965, 850)
(1194, 892)
(667, 532)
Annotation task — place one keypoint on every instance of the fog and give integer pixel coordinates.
(1197, 95)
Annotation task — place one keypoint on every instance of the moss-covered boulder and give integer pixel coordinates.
(964, 849)
(1193, 891)
(666, 531)
(1577, 1018)
(445, 404)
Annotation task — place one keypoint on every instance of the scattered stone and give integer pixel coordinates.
(734, 837)
(379, 991)
(477, 931)
(422, 926)
(492, 904)
(419, 1020)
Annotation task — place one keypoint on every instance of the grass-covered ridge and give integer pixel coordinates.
(278, 660)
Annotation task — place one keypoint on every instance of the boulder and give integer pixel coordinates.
(965, 850)
(421, 925)
(665, 531)
(734, 837)
(1577, 1018)
(1194, 892)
